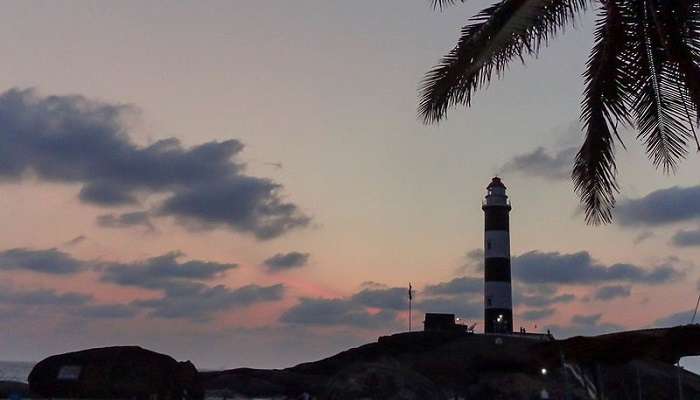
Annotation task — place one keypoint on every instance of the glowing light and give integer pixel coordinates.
(544, 371)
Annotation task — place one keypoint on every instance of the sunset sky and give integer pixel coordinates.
(247, 184)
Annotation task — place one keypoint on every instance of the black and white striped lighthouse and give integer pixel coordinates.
(498, 302)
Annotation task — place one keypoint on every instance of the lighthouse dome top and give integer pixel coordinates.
(496, 194)
(496, 183)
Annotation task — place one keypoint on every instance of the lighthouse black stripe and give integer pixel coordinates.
(491, 316)
(497, 269)
(496, 219)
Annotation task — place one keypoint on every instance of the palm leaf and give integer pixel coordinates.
(442, 4)
(608, 86)
(508, 29)
(659, 107)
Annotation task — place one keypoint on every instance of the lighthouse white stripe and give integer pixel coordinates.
(497, 244)
(498, 295)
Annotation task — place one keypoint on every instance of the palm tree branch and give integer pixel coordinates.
(442, 4)
(607, 90)
(508, 29)
(659, 107)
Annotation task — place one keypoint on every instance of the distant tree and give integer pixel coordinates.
(643, 72)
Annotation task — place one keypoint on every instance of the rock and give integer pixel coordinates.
(115, 372)
(439, 365)
(386, 381)
(12, 389)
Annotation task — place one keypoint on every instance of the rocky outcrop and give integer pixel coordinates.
(446, 365)
(14, 390)
(115, 372)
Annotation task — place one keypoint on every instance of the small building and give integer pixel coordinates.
(441, 322)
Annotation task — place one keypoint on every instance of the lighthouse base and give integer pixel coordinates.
(498, 320)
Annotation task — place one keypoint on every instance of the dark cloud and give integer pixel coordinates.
(51, 261)
(679, 318)
(540, 300)
(665, 206)
(42, 297)
(75, 241)
(126, 220)
(71, 139)
(612, 292)
(388, 298)
(593, 319)
(281, 262)
(185, 295)
(534, 315)
(643, 236)
(536, 267)
(336, 312)
(464, 308)
(540, 163)
(107, 311)
(42, 302)
(473, 262)
(463, 285)
(686, 238)
(200, 302)
(586, 325)
(164, 272)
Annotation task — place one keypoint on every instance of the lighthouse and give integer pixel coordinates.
(498, 299)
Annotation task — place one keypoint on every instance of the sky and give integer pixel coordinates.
(248, 184)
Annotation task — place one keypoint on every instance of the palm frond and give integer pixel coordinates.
(442, 4)
(659, 107)
(608, 87)
(508, 29)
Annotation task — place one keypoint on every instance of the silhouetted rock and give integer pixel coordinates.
(115, 372)
(446, 365)
(12, 389)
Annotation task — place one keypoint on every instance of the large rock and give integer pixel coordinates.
(13, 389)
(115, 372)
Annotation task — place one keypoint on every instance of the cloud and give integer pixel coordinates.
(463, 285)
(336, 312)
(107, 311)
(579, 268)
(661, 207)
(542, 164)
(200, 303)
(612, 292)
(51, 261)
(585, 324)
(462, 307)
(282, 262)
(642, 237)
(686, 238)
(395, 298)
(164, 272)
(537, 300)
(185, 295)
(42, 297)
(75, 241)
(679, 318)
(586, 319)
(126, 220)
(534, 315)
(71, 139)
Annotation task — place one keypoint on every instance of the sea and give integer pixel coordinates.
(15, 370)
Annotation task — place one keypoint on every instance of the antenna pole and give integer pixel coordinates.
(410, 300)
(696, 310)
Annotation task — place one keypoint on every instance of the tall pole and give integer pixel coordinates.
(410, 300)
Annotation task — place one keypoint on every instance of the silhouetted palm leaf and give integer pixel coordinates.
(643, 72)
